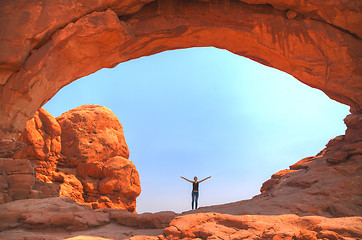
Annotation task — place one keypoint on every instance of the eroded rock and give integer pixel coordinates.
(94, 146)
(291, 227)
(144, 220)
(18, 181)
(42, 143)
(317, 42)
(50, 213)
(91, 133)
(84, 157)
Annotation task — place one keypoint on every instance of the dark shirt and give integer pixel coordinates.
(195, 186)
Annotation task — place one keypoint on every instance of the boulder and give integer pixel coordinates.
(94, 146)
(91, 133)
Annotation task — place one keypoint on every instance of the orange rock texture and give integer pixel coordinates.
(286, 227)
(94, 146)
(83, 151)
(91, 133)
(45, 219)
(42, 143)
(18, 181)
(46, 46)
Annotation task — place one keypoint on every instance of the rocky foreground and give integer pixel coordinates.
(62, 218)
(317, 198)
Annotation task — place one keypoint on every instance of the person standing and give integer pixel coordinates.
(195, 190)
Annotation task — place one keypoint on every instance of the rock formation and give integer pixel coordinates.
(84, 152)
(42, 143)
(18, 181)
(46, 46)
(316, 198)
(94, 146)
(287, 227)
(60, 218)
(50, 212)
(328, 184)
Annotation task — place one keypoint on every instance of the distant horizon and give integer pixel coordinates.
(206, 111)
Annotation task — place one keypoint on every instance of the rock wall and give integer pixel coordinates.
(85, 154)
(18, 181)
(46, 46)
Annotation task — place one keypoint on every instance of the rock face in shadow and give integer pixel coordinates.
(46, 46)
(18, 181)
(85, 154)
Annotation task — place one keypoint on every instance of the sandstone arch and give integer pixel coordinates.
(46, 45)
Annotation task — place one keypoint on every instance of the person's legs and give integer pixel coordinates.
(192, 197)
(196, 199)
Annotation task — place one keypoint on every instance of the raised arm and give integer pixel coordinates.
(186, 179)
(204, 179)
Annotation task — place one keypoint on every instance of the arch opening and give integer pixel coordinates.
(46, 46)
(207, 111)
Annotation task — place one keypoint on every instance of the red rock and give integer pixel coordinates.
(275, 179)
(50, 213)
(42, 143)
(320, 46)
(354, 127)
(144, 220)
(338, 157)
(3, 183)
(93, 142)
(302, 164)
(222, 226)
(91, 133)
(20, 166)
(42, 137)
(71, 187)
(18, 181)
(46, 46)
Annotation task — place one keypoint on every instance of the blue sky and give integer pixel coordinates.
(206, 111)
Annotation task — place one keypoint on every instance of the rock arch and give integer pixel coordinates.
(46, 45)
